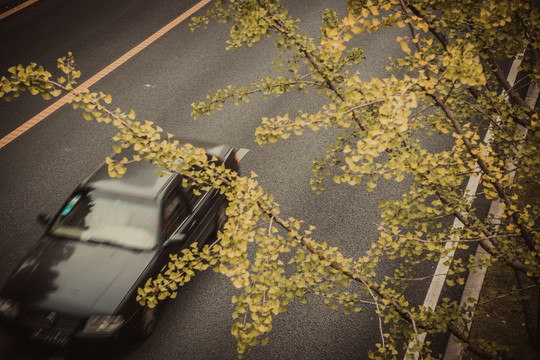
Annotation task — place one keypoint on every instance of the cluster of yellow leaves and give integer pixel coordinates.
(447, 88)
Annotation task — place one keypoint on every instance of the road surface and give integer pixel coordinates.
(43, 165)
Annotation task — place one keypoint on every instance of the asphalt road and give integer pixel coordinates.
(40, 168)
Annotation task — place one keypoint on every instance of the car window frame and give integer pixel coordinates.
(177, 187)
(196, 200)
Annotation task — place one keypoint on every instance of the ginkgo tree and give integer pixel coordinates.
(447, 83)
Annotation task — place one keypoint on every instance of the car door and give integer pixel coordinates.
(176, 215)
(204, 208)
(189, 214)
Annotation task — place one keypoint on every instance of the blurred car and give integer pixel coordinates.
(79, 282)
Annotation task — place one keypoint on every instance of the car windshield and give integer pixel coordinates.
(101, 218)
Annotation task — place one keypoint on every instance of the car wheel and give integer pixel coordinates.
(222, 217)
(148, 322)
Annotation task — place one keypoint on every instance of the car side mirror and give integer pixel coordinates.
(175, 239)
(44, 219)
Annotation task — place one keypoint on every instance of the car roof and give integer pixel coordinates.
(141, 180)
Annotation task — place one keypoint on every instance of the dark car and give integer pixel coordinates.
(79, 283)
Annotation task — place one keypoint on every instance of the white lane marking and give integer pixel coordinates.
(473, 286)
(436, 286)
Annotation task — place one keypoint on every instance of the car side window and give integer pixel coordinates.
(190, 195)
(175, 211)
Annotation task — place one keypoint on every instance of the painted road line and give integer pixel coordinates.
(473, 286)
(100, 75)
(17, 8)
(437, 283)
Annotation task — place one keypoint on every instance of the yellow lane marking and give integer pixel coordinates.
(16, 8)
(100, 75)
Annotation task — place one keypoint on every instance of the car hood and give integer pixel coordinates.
(76, 277)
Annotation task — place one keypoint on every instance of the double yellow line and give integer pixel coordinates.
(100, 75)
